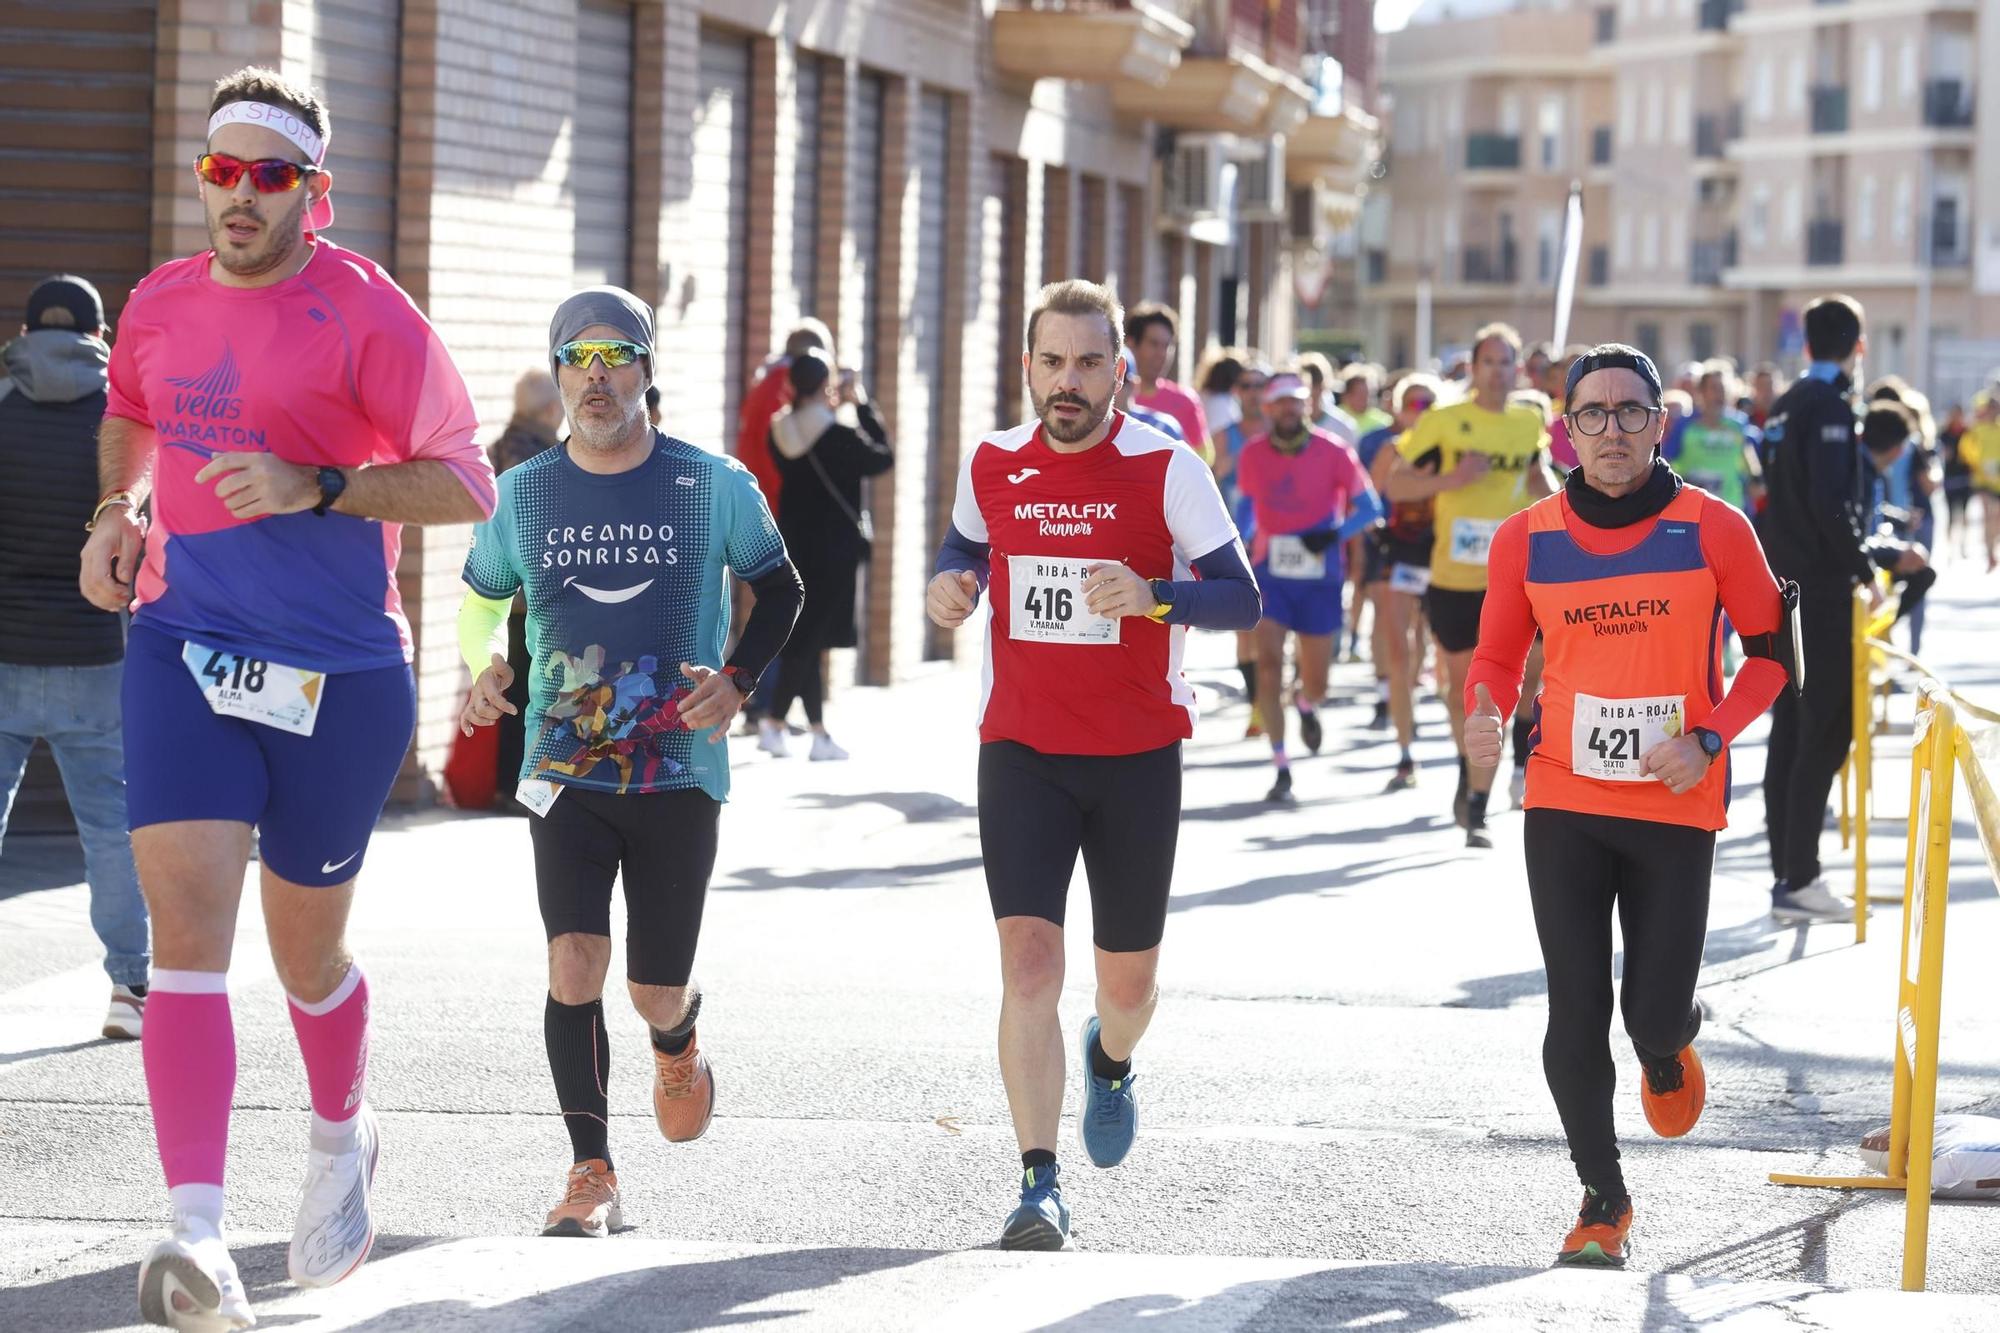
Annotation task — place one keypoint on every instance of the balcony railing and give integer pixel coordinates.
(1947, 104)
(1492, 150)
(1714, 131)
(1607, 26)
(1708, 259)
(1824, 242)
(1597, 272)
(1714, 14)
(1829, 110)
(1491, 264)
(1600, 146)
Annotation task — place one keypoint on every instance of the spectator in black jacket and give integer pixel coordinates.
(821, 513)
(61, 659)
(1815, 529)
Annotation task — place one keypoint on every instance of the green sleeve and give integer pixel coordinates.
(482, 629)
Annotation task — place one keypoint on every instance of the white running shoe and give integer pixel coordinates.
(336, 1226)
(128, 1012)
(824, 747)
(1812, 902)
(771, 738)
(189, 1282)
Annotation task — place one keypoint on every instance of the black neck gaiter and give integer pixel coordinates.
(1603, 511)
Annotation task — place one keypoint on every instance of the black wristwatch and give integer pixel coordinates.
(332, 484)
(1163, 599)
(741, 679)
(1711, 742)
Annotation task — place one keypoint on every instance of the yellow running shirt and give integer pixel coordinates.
(1979, 449)
(1468, 517)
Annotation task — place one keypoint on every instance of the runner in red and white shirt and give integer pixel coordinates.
(1088, 529)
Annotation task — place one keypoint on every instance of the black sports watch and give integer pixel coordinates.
(1163, 599)
(332, 484)
(1711, 742)
(741, 679)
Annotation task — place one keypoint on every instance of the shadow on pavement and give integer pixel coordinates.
(754, 879)
(915, 806)
(669, 1299)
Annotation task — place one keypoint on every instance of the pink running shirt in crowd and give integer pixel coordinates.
(331, 367)
(1184, 406)
(1313, 488)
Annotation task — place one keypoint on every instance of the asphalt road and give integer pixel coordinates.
(1345, 1123)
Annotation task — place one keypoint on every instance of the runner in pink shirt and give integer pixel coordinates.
(286, 409)
(1150, 330)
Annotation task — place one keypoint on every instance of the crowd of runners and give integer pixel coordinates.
(1605, 575)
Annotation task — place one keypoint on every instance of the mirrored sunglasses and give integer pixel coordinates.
(614, 352)
(270, 175)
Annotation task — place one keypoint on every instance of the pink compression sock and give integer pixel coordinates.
(189, 1050)
(333, 1038)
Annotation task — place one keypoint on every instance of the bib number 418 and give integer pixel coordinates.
(235, 672)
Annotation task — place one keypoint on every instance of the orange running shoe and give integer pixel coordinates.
(683, 1092)
(1674, 1102)
(590, 1205)
(1600, 1237)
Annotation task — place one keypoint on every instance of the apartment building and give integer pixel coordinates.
(908, 171)
(1490, 119)
(1741, 157)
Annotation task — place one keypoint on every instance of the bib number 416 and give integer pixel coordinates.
(1048, 603)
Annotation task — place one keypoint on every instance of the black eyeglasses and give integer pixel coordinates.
(1632, 418)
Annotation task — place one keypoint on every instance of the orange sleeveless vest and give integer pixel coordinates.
(1633, 646)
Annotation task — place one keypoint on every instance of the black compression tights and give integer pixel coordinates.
(1657, 875)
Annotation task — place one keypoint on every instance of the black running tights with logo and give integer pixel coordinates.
(1581, 866)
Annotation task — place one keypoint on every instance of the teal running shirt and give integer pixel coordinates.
(624, 576)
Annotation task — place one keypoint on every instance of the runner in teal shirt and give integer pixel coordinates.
(1716, 446)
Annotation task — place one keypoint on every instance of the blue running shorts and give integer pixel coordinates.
(1304, 606)
(313, 799)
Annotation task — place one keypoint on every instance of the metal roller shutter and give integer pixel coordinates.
(715, 248)
(926, 321)
(76, 146)
(865, 211)
(76, 194)
(357, 68)
(1114, 245)
(805, 187)
(1007, 176)
(601, 144)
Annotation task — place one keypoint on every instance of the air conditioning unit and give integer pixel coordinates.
(1192, 183)
(1260, 180)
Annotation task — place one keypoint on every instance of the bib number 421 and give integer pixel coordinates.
(1615, 744)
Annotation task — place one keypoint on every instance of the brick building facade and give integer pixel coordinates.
(909, 171)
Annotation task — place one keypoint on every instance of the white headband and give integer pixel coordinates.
(287, 123)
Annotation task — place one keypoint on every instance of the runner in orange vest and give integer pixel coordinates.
(1626, 572)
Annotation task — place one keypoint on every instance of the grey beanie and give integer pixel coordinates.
(613, 306)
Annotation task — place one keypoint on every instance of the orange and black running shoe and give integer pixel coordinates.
(1673, 1095)
(1601, 1236)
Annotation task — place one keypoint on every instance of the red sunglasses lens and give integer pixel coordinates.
(270, 176)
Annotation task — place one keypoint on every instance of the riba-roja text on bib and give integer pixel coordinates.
(1410, 578)
(1608, 737)
(1045, 602)
(268, 693)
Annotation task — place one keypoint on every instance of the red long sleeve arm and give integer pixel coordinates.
(1506, 621)
(1750, 596)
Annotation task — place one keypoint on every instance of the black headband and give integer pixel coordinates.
(1614, 356)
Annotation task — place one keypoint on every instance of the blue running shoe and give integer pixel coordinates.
(1110, 1119)
(1042, 1220)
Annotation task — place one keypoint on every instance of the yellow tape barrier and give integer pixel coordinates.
(1942, 749)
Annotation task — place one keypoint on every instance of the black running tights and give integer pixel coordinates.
(1657, 875)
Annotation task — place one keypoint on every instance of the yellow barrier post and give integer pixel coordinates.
(1913, 1103)
(1863, 705)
